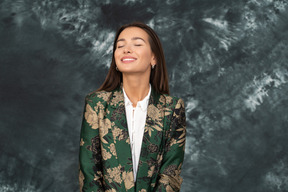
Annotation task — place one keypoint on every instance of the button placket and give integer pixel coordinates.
(133, 126)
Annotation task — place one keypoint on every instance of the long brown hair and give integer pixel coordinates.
(158, 76)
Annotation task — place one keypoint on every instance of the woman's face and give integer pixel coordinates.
(133, 53)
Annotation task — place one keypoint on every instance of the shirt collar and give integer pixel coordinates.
(143, 103)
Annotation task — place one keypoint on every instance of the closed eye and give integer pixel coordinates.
(138, 45)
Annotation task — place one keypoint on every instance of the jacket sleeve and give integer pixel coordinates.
(169, 176)
(90, 171)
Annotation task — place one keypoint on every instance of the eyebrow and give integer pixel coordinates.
(134, 38)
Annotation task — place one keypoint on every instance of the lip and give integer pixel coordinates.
(128, 59)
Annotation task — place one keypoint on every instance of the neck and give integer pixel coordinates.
(136, 87)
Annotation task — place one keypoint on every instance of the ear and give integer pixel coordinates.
(153, 60)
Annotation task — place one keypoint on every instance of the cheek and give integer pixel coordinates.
(116, 58)
(116, 54)
(147, 54)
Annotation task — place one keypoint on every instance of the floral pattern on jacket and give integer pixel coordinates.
(105, 154)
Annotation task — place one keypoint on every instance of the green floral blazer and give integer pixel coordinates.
(105, 154)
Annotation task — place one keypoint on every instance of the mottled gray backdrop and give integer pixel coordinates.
(227, 59)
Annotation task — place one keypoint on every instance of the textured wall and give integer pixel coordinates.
(227, 59)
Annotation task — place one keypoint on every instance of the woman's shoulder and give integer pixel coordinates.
(95, 96)
(170, 100)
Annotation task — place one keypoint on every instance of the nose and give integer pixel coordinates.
(127, 49)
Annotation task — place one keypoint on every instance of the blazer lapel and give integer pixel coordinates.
(151, 143)
(121, 137)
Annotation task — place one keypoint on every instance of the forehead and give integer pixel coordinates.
(131, 32)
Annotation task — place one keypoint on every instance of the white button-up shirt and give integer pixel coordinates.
(136, 119)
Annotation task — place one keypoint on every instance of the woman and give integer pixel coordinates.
(133, 132)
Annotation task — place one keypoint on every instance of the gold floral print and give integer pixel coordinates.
(128, 179)
(153, 112)
(171, 177)
(117, 134)
(169, 188)
(181, 142)
(159, 158)
(100, 105)
(173, 142)
(81, 179)
(108, 124)
(151, 128)
(158, 126)
(172, 183)
(151, 171)
(167, 111)
(169, 100)
(178, 171)
(159, 106)
(102, 134)
(112, 149)
(81, 142)
(180, 104)
(165, 99)
(118, 96)
(143, 190)
(162, 99)
(114, 174)
(96, 177)
(110, 190)
(179, 124)
(103, 129)
(105, 154)
(104, 95)
(91, 117)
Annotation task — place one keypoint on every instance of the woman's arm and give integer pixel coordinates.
(169, 179)
(90, 173)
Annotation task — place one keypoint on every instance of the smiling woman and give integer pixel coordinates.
(133, 133)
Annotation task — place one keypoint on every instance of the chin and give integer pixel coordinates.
(129, 71)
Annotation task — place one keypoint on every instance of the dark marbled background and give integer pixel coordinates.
(227, 59)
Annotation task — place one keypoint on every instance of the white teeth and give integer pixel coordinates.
(128, 59)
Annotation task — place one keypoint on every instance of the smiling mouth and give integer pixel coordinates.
(128, 59)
